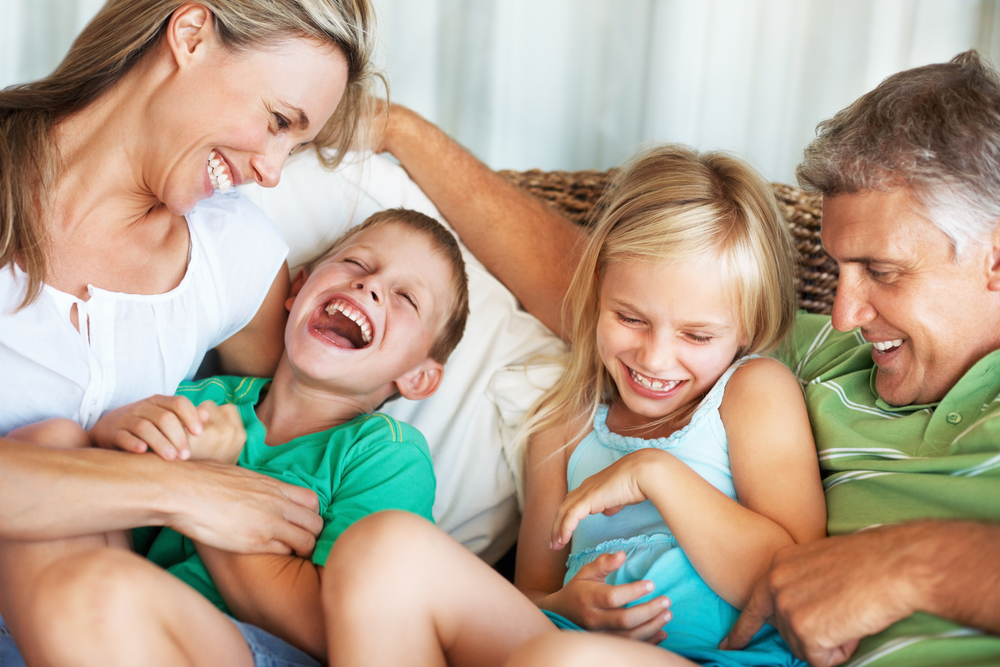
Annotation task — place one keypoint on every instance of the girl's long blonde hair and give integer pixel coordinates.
(121, 34)
(670, 204)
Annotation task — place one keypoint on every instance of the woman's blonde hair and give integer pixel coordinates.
(121, 34)
(671, 204)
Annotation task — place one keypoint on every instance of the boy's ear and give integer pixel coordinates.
(297, 282)
(422, 381)
(190, 26)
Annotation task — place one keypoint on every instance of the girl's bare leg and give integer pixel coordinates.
(78, 602)
(580, 649)
(397, 590)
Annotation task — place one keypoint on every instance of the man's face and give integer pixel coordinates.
(933, 315)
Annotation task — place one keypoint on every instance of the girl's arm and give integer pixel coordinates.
(255, 349)
(283, 596)
(774, 469)
(586, 600)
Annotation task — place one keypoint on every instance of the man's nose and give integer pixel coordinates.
(852, 306)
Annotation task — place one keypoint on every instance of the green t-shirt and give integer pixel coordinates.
(884, 465)
(369, 464)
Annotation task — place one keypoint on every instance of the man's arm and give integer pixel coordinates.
(50, 494)
(824, 597)
(280, 594)
(528, 246)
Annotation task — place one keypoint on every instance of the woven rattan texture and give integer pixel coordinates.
(577, 195)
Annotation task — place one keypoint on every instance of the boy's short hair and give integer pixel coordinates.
(442, 241)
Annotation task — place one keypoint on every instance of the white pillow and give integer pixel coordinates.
(467, 423)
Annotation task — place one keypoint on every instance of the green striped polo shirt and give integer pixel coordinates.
(883, 464)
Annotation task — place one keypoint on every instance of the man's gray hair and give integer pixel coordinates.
(934, 129)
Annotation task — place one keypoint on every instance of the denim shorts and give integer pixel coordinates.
(268, 650)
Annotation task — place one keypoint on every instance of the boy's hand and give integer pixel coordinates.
(160, 423)
(223, 436)
(607, 492)
(597, 606)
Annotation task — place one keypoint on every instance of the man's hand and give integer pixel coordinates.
(597, 606)
(825, 596)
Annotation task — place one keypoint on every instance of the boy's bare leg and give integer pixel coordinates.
(77, 602)
(109, 607)
(397, 590)
(581, 649)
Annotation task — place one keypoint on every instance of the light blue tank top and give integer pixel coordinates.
(701, 618)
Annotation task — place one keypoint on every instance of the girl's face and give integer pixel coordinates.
(666, 331)
(251, 109)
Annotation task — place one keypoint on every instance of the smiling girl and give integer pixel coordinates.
(671, 458)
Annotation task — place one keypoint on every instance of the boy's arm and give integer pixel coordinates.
(280, 594)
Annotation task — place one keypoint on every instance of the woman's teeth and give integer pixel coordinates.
(887, 345)
(354, 315)
(221, 181)
(655, 385)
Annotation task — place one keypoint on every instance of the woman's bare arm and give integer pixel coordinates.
(50, 494)
(256, 348)
(532, 249)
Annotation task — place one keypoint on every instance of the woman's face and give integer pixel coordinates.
(250, 109)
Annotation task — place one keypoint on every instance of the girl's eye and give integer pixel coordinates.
(625, 319)
(283, 123)
(699, 339)
(355, 262)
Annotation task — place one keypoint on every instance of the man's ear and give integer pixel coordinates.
(189, 28)
(993, 263)
(297, 282)
(422, 381)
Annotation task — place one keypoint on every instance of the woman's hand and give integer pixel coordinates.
(608, 491)
(160, 423)
(597, 606)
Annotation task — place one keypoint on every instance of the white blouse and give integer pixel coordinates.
(131, 346)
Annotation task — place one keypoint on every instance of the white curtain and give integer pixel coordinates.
(576, 84)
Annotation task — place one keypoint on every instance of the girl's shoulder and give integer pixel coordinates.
(562, 437)
(757, 376)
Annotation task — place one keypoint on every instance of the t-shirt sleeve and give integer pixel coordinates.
(380, 474)
(243, 253)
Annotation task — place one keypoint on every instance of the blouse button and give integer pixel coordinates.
(953, 418)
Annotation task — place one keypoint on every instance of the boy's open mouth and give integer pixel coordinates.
(344, 325)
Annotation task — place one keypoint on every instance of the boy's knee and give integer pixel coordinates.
(83, 605)
(57, 433)
(382, 545)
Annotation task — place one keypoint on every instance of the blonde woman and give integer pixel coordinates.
(665, 415)
(125, 256)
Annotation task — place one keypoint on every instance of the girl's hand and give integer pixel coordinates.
(597, 606)
(160, 423)
(606, 492)
(223, 436)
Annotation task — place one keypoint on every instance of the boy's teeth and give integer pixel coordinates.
(354, 315)
(655, 385)
(888, 345)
